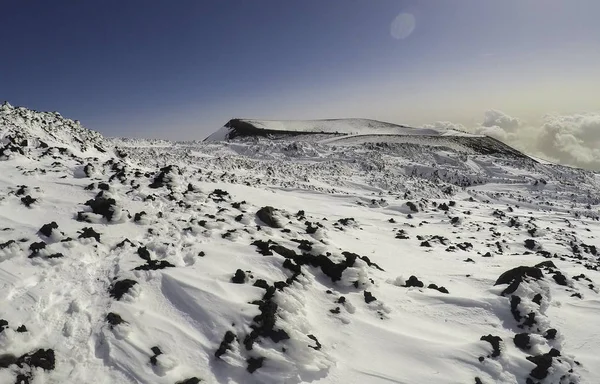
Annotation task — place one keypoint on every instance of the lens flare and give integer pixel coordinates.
(403, 26)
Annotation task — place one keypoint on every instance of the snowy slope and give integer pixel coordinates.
(345, 126)
(332, 127)
(377, 263)
(23, 129)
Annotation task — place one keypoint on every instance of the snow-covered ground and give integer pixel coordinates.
(161, 262)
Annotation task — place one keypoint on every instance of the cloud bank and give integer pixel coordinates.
(445, 125)
(565, 139)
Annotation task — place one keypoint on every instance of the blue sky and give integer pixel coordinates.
(180, 69)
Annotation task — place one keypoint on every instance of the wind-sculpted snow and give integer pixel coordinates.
(258, 261)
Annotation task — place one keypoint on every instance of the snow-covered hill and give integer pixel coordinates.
(24, 130)
(333, 127)
(253, 260)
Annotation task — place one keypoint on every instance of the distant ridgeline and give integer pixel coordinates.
(361, 131)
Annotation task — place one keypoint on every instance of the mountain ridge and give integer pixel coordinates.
(348, 126)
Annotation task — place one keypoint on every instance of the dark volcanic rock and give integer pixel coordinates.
(369, 298)
(347, 221)
(522, 341)
(289, 264)
(515, 276)
(267, 216)
(35, 248)
(546, 264)
(414, 282)
(264, 323)
(28, 201)
(157, 352)
(366, 259)
(225, 344)
(6, 360)
(88, 170)
(261, 283)
(46, 229)
(122, 243)
(514, 307)
(153, 265)
(314, 338)
(6, 244)
(139, 215)
(254, 363)
(560, 279)
(218, 195)
(42, 358)
(310, 229)
(114, 319)
(412, 206)
(328, 267)
(283, 251)
(239, 277)
(304, 245)
(550, 334)
(529, 320)
(530, 244)
(191, 380)
(89, 232)
(144, 253)
(160, 179)
(22, 190)
(495, 342)
(263, 247)
(102, 206)
(543, 362)
(440, 289)
(121, 287)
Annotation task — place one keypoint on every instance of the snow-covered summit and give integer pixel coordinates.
(337, 127)
(356, 132)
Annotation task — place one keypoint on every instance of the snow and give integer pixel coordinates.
(346, 128)
(219, 135)
(442, 214)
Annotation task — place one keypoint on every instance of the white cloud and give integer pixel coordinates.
(567, 139)
(499, 125)
(445, 125)
(571, 139)
(495, 132)
(495, 118)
